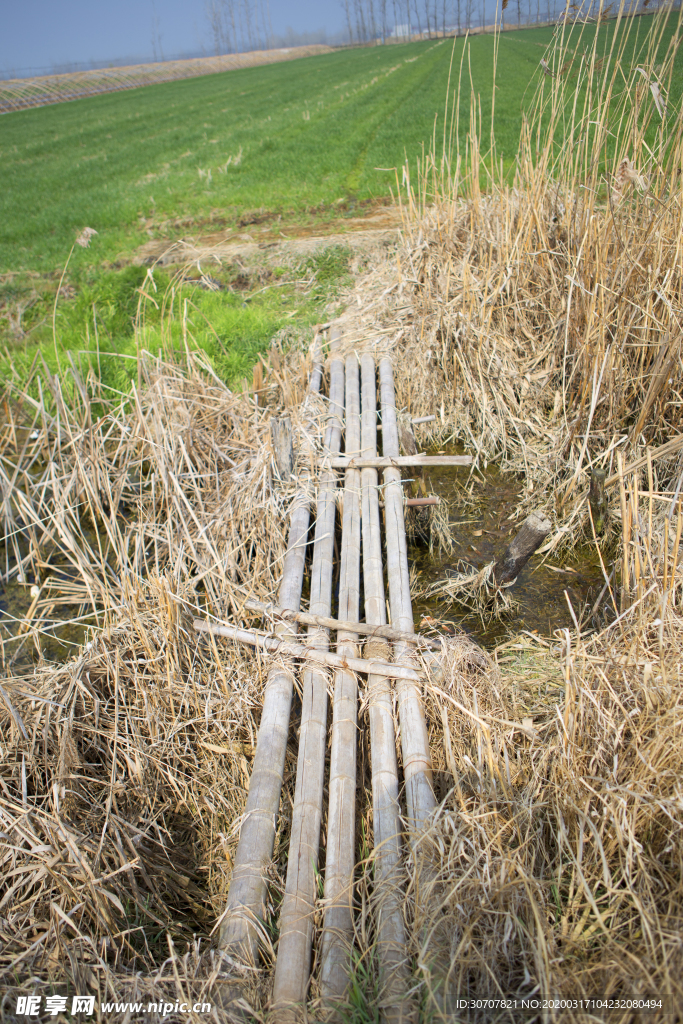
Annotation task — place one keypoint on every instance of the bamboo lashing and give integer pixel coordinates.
(247, 894)
(390, 925)
(292, 967)
(340, 861)
(417, 765)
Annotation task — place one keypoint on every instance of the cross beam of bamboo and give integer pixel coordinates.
(381, 462)
(339, 625)
(417, 764)
(292, 968)
(337, 935)
(385, 807)
(309, 652)
(247, 893)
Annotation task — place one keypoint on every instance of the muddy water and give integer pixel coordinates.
(483, 521)
(30, 633)
(33, 626)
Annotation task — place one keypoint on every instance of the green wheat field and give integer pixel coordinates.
(301, 143)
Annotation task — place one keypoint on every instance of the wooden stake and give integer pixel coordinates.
(293, 965)
(417, 764)
(337, 935)
(598, 500)
(317, 369)
(247, 893)
(385, 807)
(534, 531)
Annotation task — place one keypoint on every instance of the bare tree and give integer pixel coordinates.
(157, 48)
(347, 12)
(383, 19)
(417, 17)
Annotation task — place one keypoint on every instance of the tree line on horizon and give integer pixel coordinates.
(239, 25)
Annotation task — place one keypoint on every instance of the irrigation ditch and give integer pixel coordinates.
(384, 817)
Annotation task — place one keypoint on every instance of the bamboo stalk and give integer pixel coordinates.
(340, 861)
(247, 893)
(317, 368)
(417, 764)
(339, 625)
(385, 807)
(292, 968)
(668, 448)
(381, 462)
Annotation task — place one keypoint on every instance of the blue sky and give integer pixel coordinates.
(43, 34)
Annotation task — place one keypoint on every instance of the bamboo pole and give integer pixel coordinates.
(417, 763)
(385, 807)
(339, 625)
(304, 652)
(337, 935)
(375, 462)
(292, 968)
(316, 378)
(247, 893)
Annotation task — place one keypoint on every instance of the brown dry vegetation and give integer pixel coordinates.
(541, 322)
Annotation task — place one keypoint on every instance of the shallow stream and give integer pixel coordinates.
(483, 521)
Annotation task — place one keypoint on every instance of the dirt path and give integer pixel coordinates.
(275, 242)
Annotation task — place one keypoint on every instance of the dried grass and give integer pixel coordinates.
(540, 321)
(123, 773)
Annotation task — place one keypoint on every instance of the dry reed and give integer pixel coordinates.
(540, 321)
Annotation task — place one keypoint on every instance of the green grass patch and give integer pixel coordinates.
(113, 314)
(286, 137)
(312, 138)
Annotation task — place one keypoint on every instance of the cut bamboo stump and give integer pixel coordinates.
(389, 880)
(247, 894)
(337, 937)
(534, 531)
(292, 967)
(417, 765)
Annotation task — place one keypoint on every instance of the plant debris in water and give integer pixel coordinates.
(453, 584)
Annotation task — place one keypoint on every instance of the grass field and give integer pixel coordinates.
(311, 139)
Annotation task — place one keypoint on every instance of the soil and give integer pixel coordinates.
(270, 239)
